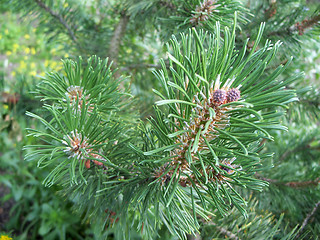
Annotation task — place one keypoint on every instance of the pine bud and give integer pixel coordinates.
(219, 96)
(88, 164)
(233, 95)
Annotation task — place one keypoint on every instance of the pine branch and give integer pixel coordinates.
(293, 184)
(194, 237)
(117, 36)
(303, 184)
(306, 220)
(300, 27)
(139, 66)
(144, 66)
(289, 152)
(167, 5)
(305, 24)
(58, 17)
(225, 232)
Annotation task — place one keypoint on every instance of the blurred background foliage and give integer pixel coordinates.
(35, 37)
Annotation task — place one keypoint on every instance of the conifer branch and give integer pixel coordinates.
(117, 36)
(299, 26)
(139, 66)
(305, 24)
(194, 237)
(167, 5)
(293, 184)
(303, 184)
(306, 220)
(225, 232)
(58, 17)
(289, 152)
(144, 66)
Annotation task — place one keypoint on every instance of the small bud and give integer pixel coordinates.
(88, 164)
(219, 96)
(233, 95)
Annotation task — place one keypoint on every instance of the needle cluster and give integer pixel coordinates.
(208, 115)
(203, 12)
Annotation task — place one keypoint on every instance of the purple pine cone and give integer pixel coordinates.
(219, 96)
(233, 95)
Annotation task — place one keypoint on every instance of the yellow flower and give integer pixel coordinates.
(53, 65)
(27, 50)
(34, 29)
(53, 51)
(66, 55)
(65, 5)
(42, 74)
(5, 237)
(13, 74)
(8, 53)
(0, 36)
(46, 63)
(27, 36)
(26, 57)
(33, 51)
(5, 106)
(33, 65)
(33, 73)
(58, 68)
(15, 47)
(6, 31)
(22, 65)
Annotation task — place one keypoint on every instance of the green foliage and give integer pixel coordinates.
(37, 211)
(186, 14)
(295, 175)
(81, 124)
(175, 174)
(88, 87)
(223, 99)
(257, 225)
(25, 54)
(284, 22)
(203, 145)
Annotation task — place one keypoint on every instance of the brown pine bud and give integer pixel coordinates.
(219, 96)
(88, 164)
(233, 95)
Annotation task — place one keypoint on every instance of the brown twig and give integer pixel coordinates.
(293, 184)
(272, 10)
(143, 65)
(194, 237)
(301, 27)
(225, 232)
(305, 24)
(58, 17)
(167, 5)
(116, 38)
(289, 152)
(306, 220)
(139, 66)
(303, 184)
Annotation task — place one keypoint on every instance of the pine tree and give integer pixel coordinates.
(229, 148)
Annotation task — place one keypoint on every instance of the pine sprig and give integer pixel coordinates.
(204, 14)
(219, 106)
(74, 141)
(61, 20)
(290, 22)
(92, 81)
(82, 127)
(258, 225)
